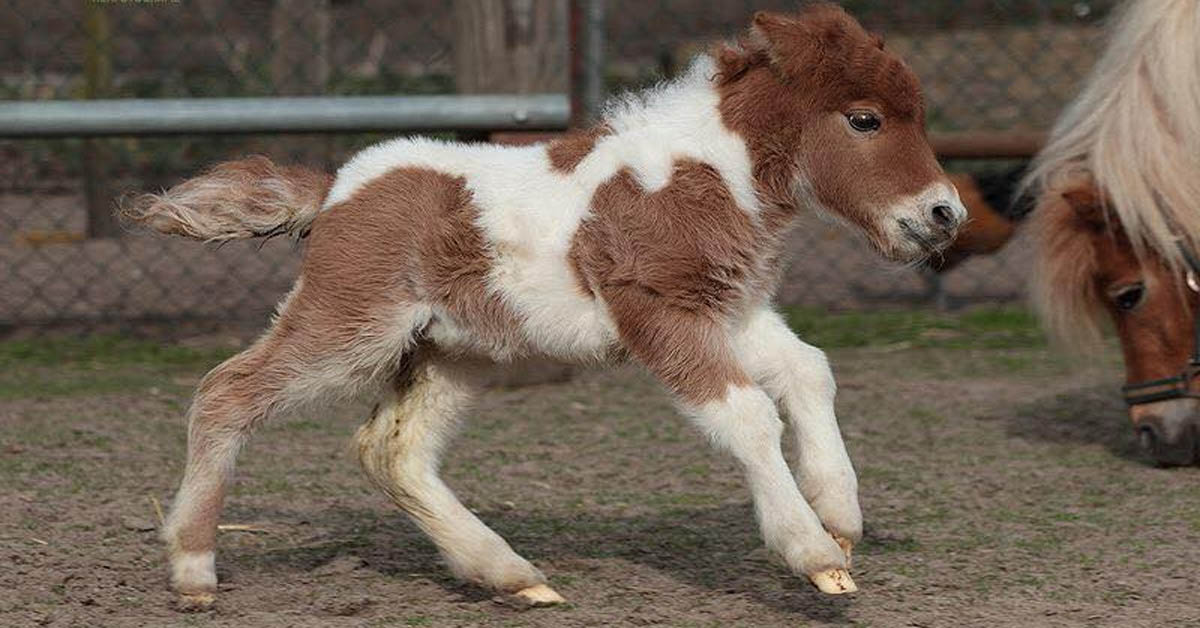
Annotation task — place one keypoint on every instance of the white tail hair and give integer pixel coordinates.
(248, 198)
(1135, 128)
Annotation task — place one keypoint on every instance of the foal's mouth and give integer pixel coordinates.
(928, 244)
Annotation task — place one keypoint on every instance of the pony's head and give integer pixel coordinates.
(1087, 269)
(1117, 190)
(835, 121)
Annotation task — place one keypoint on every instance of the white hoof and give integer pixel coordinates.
(536, 596)
(834, 582)
(540, 595)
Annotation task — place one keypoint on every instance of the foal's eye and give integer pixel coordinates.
(1129, 297)
(863, 121)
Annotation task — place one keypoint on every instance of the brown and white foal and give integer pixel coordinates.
(653, 237)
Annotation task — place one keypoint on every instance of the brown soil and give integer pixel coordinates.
(1000, 488)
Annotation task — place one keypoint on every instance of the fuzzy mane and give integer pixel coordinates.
(1062, 283)
(1135, 128)
(1133, 133)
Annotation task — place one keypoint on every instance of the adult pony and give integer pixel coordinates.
(1118, 218)
(655, 236)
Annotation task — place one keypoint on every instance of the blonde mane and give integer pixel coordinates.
(1133, 132)
(1062, 285)
(1135, 128)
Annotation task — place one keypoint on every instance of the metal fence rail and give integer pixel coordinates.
(99, 99)
(295, 114)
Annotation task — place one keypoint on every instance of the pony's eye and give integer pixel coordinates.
(863, 121)
(1129, 296)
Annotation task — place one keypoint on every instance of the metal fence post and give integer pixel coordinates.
(587, 60)
(98, 79)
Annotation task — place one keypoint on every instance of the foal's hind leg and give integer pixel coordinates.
(399, 448)
(296, 362)
(232, 398)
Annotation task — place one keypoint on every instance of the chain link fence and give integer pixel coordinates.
(991, 65)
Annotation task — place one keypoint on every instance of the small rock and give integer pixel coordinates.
(137, 524)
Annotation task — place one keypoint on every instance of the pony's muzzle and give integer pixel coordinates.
(1169, 443)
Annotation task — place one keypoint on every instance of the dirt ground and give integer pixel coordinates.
(1000, 486)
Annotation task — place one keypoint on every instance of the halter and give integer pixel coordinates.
(1179, 386)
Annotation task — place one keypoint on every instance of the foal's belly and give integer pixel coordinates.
(551, 313)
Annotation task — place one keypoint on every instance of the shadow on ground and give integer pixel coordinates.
(1091, 415)
(716, 548)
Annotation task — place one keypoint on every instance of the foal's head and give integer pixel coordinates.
(1086, 266)
(835, 121)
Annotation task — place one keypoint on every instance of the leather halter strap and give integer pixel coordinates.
(1178, 386)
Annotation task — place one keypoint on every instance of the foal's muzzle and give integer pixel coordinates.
(936, 232)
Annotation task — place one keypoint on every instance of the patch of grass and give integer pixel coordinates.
(65, 382)
(103, 351)
(61, 367)
(983, 328)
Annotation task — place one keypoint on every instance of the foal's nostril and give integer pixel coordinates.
(943, 216)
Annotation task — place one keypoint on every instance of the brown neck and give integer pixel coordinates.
(752, 106)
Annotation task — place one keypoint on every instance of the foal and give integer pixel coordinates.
(653, 237)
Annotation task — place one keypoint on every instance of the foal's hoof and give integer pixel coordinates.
(834, 582)
(195, 602)
(536, 596)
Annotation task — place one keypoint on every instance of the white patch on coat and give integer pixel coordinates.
(529, 212)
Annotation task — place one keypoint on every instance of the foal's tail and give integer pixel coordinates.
(247, 198)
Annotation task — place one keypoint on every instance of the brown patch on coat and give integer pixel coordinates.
(404, 239)
(566, 152)
(675, 267)
(785, 89)
(409, 236)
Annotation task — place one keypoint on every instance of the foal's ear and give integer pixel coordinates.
(798, 41)
(770, 33)
(793, 40)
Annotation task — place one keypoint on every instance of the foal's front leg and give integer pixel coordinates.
(744, 422)
(693, 356)
(798, 376)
